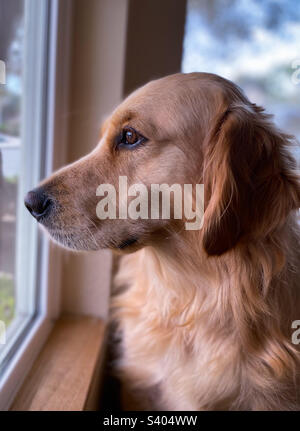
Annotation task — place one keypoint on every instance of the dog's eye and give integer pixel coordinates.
(130, 138)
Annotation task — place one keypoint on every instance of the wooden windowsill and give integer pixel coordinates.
(66, 374)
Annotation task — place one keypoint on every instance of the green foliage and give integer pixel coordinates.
(7, 299)
(12, 180)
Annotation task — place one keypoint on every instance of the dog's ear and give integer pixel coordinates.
(250, 179)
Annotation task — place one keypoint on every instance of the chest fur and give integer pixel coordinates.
(176, 340)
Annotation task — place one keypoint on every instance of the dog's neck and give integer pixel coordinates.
(174, 285)
(242, 286)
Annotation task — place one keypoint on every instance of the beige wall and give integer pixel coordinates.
(98, 50)
(99, 33)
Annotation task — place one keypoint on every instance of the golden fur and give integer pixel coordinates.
(205, 316)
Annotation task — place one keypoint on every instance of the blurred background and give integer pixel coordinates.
(102, 51)
(253, 43)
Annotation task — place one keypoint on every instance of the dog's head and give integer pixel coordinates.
(182, 129)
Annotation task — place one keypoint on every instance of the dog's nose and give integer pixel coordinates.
(38, 203)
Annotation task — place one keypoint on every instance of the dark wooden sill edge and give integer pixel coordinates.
(66, 375)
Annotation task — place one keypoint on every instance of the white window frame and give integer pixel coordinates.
(46, 82)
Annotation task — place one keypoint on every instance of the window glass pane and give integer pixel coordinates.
(11, 53)
(253, 43)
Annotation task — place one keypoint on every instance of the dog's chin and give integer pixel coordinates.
(73, 241)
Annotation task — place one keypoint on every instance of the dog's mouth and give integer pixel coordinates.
(127, 243)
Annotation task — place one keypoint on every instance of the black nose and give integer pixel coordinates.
(38, 203)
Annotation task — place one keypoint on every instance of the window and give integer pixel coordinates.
(28, 49)
(253, 43)
(11, 53)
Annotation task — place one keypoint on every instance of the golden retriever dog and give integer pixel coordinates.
(205, 315)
